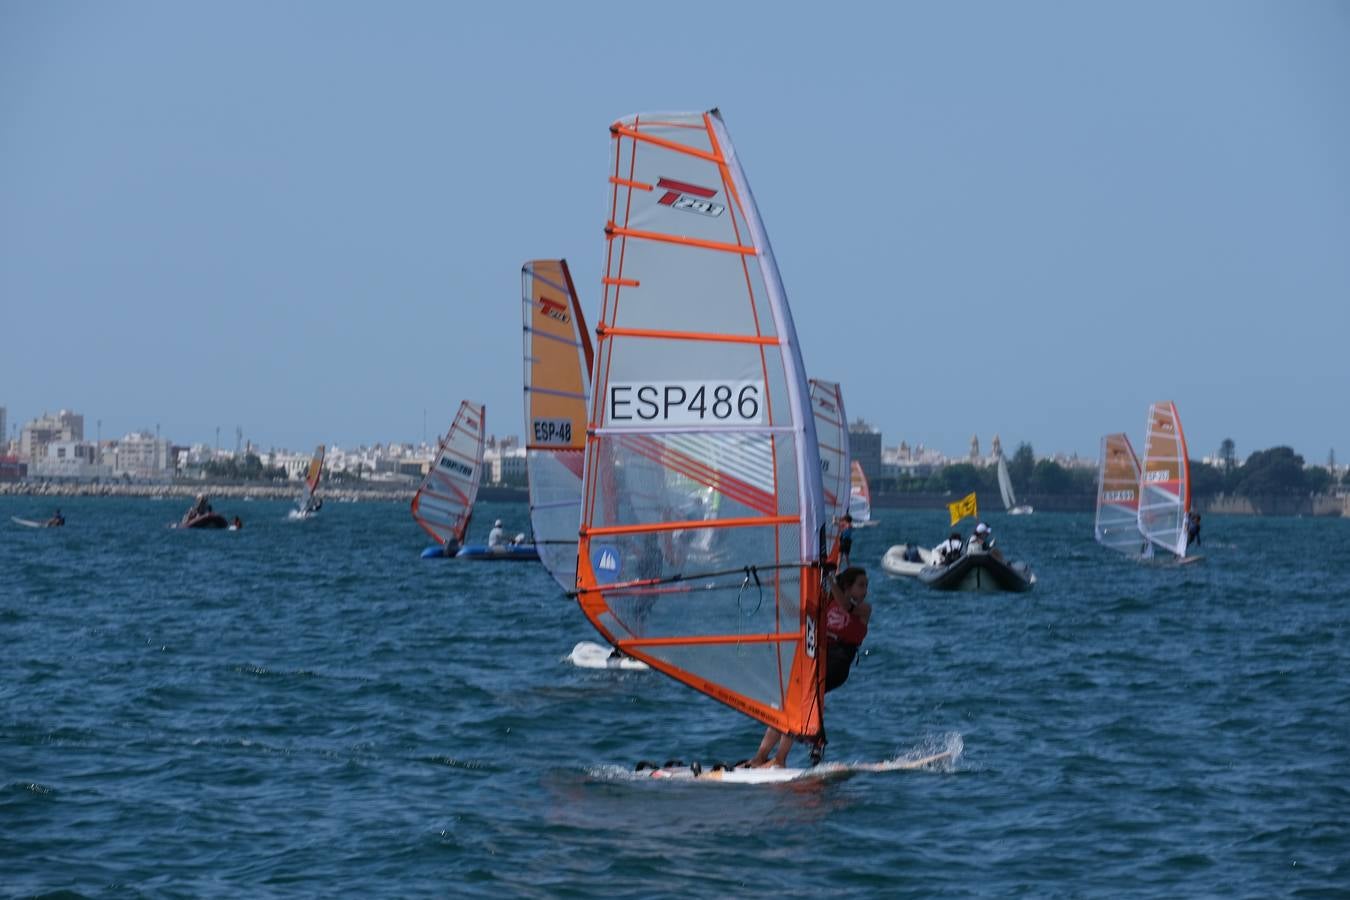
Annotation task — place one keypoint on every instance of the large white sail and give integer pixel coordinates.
(827, 403)
(1005, 484)
(444, 501)
(702, 512)
(557, 384)
(1165, 481)
(1117, 520)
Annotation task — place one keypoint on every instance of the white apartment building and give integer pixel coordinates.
(37, 434)
(141, 455)
(68, 460)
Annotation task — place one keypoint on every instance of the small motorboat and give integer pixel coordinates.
(978, 570)
(907, 560)
(201, 515)
(207, 520)
(521, 552)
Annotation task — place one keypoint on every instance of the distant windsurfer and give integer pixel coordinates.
(847, 614)
(57, 520)
(238, 523)
(845, 539)
(1192, 529)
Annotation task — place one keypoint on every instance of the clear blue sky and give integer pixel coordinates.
(1033, 219)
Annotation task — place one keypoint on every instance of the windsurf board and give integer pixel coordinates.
(590, 655)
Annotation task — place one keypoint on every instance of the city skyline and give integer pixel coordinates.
(984, 448)
(1032, 221)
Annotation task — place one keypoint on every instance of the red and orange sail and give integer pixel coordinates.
(444, 501)
(702, 504)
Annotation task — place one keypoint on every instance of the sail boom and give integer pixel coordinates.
(777, 638)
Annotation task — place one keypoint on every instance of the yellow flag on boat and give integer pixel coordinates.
(963, 507)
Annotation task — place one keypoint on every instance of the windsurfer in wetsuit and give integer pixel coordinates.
(1192, 529)
(57, 520)
(845, 539)
(847, 614)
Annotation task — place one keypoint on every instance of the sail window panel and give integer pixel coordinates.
(686, 477)
(756, 670)
(555, 510)
(686, 553)
(687, 288)
(1118, 529)
(788, 475)
(712, 605)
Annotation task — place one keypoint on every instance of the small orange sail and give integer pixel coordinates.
(308, 503)
(860, 496)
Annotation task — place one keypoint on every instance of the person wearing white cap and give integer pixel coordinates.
(497, 536)
(982, 541)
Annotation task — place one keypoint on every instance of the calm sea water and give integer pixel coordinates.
(308, 708)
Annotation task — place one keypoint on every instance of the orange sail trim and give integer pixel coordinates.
(714, 639)
(688, 336)
(613, 231)
(637, 185)
(669, 145)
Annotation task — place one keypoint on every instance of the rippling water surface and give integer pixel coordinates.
(308, 708)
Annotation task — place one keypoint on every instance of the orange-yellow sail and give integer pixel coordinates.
(702, 504)
(860, 495)
(1165, 480)
(1117, 522)
(558, 357)
(309, 502)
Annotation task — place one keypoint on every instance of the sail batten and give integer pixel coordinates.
(440, 507)
(701, 454)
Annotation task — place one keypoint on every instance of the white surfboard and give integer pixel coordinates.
(28, 523)
(590, 655)
(822, 772)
